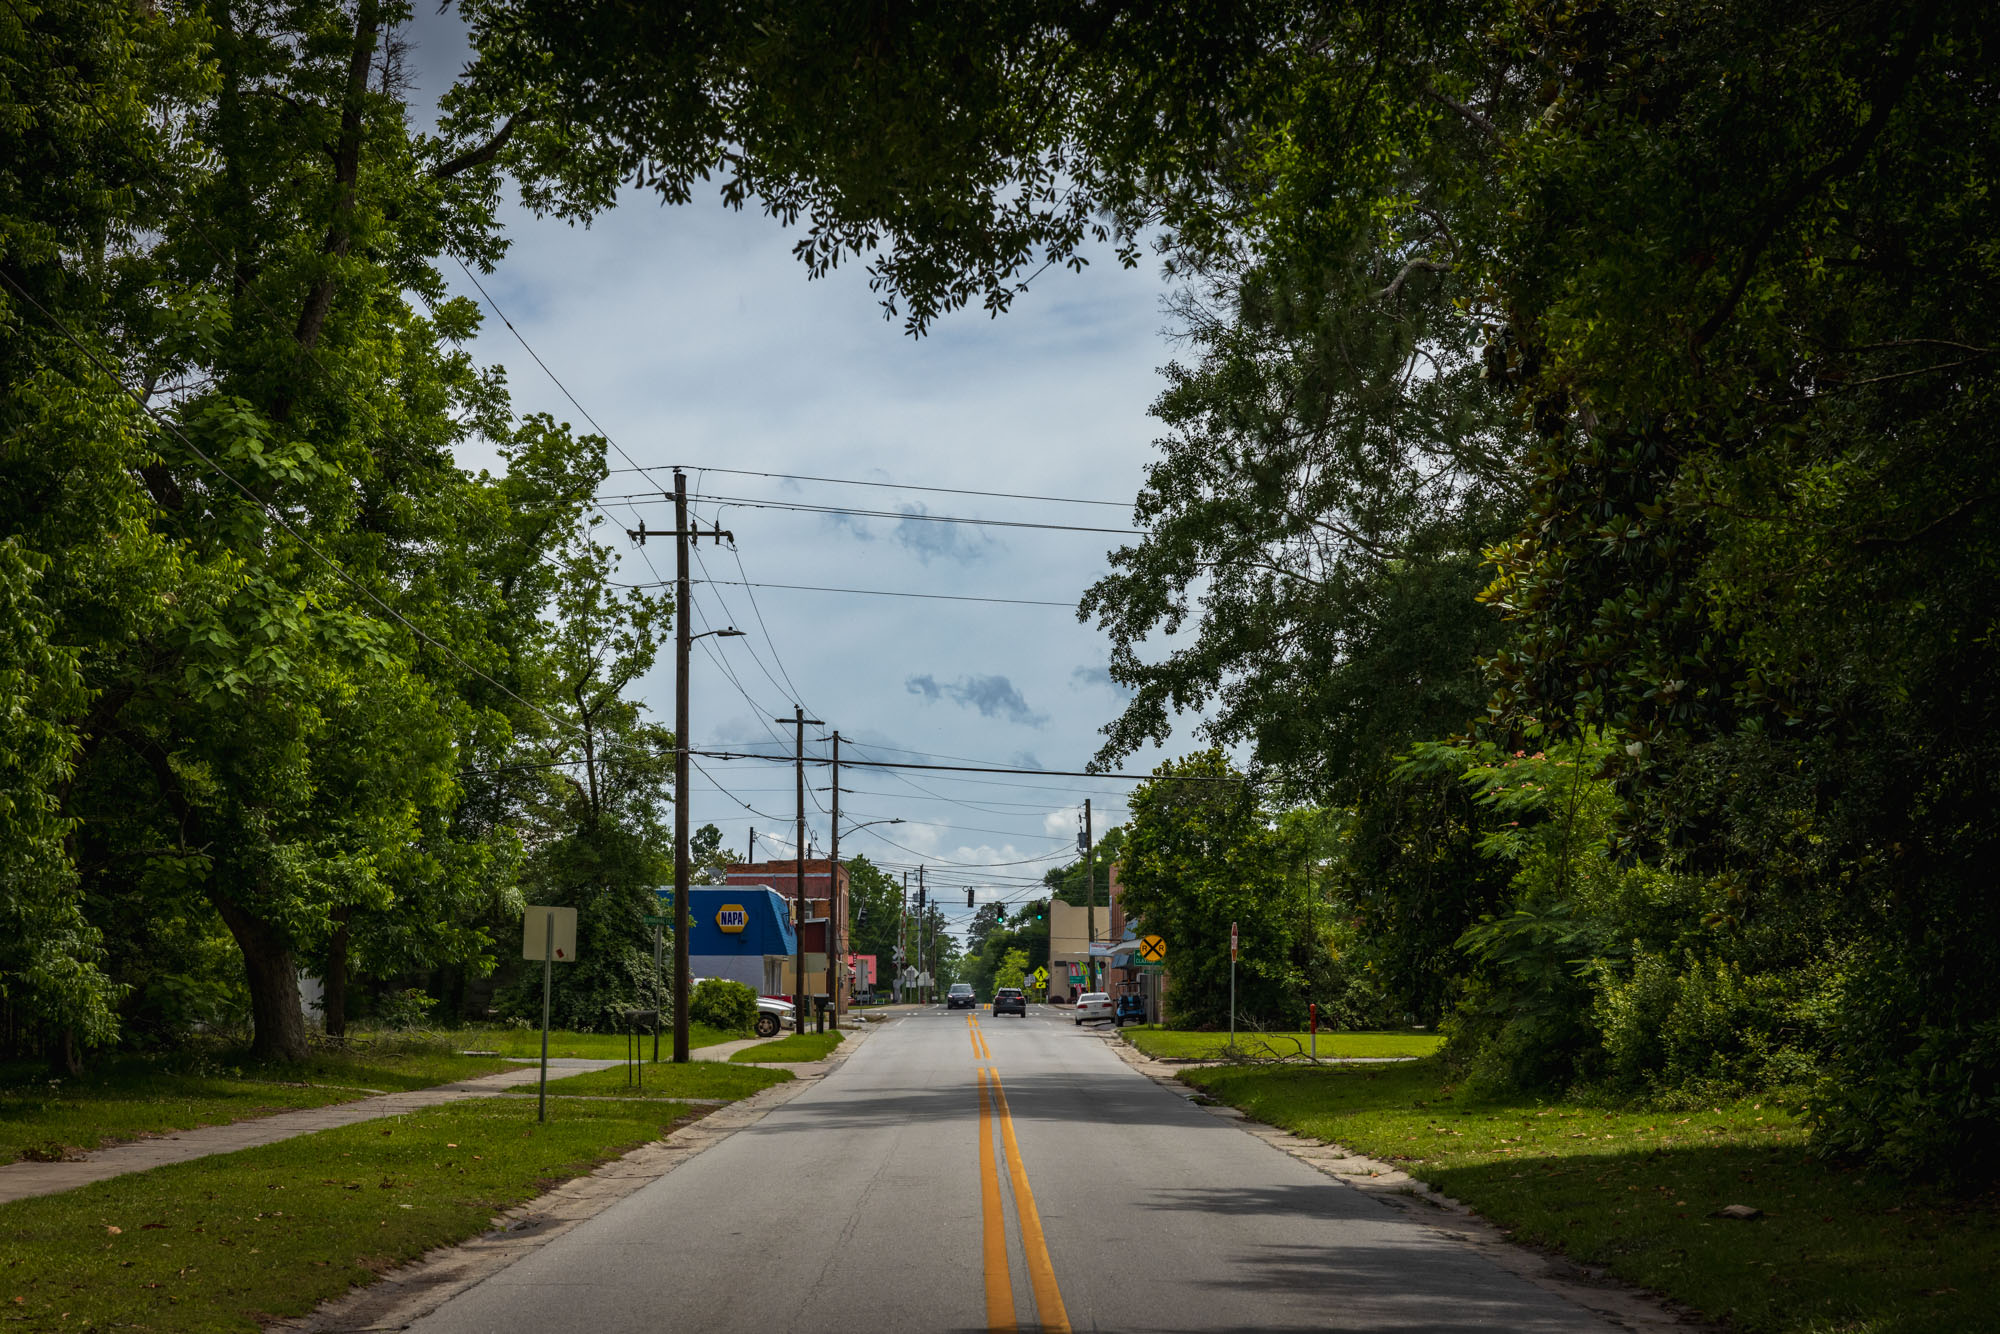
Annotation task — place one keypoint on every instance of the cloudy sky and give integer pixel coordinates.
(692, 337)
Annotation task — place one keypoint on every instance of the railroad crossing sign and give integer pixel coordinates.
(1152, 949)
(1041, 977)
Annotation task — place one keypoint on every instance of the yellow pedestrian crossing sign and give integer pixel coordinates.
(1041, 977)
(1152, 949)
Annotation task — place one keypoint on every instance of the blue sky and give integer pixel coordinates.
(692, 336)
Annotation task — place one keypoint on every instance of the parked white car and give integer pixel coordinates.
(772, 1014)
(1094, 1007)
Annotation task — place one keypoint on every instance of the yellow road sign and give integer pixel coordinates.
(1152, 949)
(1041, 977)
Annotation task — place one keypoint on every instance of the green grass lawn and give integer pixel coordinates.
(591, 1046)
(696, 1079)
(1173, 1044)
(232, 1241)
(126, 1097)
(1838, 1249)
(797, 1047)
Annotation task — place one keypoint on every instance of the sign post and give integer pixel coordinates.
(1232, 985)
(557, 941)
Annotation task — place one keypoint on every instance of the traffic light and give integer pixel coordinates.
(968, 898)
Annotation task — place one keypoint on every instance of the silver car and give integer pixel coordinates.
(1094, 1007)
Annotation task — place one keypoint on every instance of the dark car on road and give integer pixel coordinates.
(1009, 1000)
(960, 997)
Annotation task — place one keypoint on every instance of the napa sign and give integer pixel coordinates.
(732, 918)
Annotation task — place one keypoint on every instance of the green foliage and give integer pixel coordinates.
(795, 1047)
(720, 1003)
(1013, 970)
(1201, 853)
(1635, 1190)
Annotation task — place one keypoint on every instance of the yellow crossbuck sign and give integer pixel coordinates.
(1152, 949)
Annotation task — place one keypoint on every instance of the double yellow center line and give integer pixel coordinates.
(1053, 1319)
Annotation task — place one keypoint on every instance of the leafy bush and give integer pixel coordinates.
(406, 1009)
(720, 1003)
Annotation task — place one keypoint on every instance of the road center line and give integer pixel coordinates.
(999, 1282)
(1041, 1272)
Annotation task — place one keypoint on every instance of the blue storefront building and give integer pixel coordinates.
(741, 932)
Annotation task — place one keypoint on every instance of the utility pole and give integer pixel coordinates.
(684, 638)
(1089, 901)
(835, 958)
(902, 935)
(922, 917)
(799, 721)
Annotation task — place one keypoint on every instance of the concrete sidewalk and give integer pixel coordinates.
(20, 1181)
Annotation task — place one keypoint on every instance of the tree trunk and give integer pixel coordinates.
(333, 998)
(278, 1031)
(65, 1057)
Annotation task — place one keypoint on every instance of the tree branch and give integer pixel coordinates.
(346, 172)
(1464, 112)
(1396, 285)
(476, 157)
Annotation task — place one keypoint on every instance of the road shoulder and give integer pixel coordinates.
(1592, 1289)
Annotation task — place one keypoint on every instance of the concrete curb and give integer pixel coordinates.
(1612, 1299)
(406, 1295)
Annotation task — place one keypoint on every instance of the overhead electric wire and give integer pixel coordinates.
(898, 486)
(613, 442)
(272, 512)
(884, 593)
(733, 797)
(961, 768)
(803, 507)
(945, 861)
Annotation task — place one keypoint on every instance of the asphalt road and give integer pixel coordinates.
(993, 1174)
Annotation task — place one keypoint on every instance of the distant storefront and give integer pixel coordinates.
(743, 933)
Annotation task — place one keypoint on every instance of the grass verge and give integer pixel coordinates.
(128, 1097)
(1175, 1045)
(1635, 1191)
(519, 1042)
(696, 1079)
(230, 1242)
(797, 1047)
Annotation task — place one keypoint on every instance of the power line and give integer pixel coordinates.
(946, 861)
(881, 593)
(802, 507)
(1058, 773)
(989, 769)
(897, 486)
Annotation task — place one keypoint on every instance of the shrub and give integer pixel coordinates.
(720, 1003)
(406, 1009)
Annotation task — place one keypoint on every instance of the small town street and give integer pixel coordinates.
(966, 1172)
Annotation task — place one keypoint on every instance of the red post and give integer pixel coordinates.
(1312, 1008)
